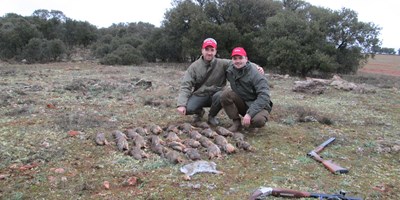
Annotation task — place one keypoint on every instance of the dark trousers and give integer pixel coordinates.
(234, 106)
(195, 104)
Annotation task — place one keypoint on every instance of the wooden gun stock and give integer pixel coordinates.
(331, 166)
(280, 192)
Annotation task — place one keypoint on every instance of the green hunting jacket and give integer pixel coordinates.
(194, 83)
(251, 86)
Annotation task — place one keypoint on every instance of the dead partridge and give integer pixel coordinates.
(192, 154)
(141, 130)
(131, 134)
(155, 129)
(205, 142)
(101, 139)
(118, 134)
(195, 135)
(229, 148)
(223, 131)
(120, 139)
(172, 136)
(213, 151)
(223, 143)
(220, 140)
(140, 142)
(202, 125)
(176, 146)
(238, 136)
(154, 139)
(122, 144)
(137, 153)
(189, 142)
(208, 132)
(186, 127)
(157, 148)
(173, 128)
(245, 146)
(172, 156)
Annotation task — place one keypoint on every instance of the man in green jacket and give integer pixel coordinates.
(249, 93)
(202, 84)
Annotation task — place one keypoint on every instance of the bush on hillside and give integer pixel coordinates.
(123, 55)
(41, 50)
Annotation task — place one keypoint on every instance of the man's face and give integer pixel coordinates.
(208, 53)
(239, 61)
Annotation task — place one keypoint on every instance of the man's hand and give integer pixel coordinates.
(246, 120)
(182, 110)
(260, 69)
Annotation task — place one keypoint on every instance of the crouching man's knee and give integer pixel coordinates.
(225, 96)
(259, 122)
(260, 119)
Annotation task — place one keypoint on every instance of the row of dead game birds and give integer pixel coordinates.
(175, 141)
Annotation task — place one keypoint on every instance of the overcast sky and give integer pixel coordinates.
(104, 13)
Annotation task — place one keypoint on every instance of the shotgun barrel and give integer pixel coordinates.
(323, 145)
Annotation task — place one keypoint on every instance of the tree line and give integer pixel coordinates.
(287, 36)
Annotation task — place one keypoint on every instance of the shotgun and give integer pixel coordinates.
(280, 192)
(333, 167)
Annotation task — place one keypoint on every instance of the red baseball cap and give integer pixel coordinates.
(238, 51)
(209, 42)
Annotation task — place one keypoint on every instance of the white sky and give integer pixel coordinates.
(103, 13)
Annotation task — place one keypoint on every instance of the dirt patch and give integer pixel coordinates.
(381, 70)
(383, 64)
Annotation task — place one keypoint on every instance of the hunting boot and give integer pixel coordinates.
(198, 117)
(237, 124)
(212, 120)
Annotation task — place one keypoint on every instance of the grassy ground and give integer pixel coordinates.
(40, 158)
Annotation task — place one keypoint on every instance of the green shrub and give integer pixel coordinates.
(42, 50)
(33, 51)
(110, 59)
(124, 55)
